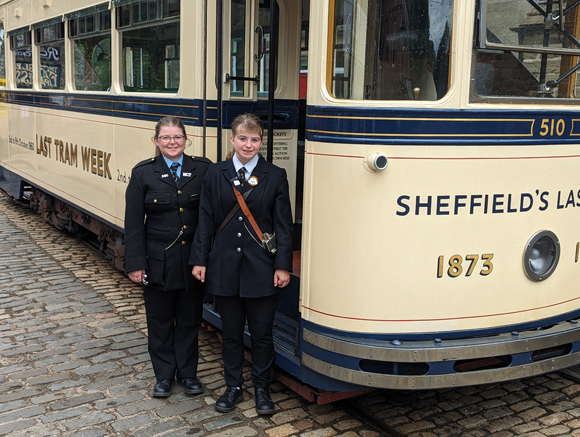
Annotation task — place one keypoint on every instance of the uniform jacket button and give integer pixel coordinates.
(240, 219)
(178, 191)
(183, 243)
(239, 234)
(180, 209)
(239, 249)
(184, 226)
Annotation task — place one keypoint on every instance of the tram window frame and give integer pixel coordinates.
(503, 70)
(378, 55)
(51, 36)
(133, 23)
(89, 30)
(21, 47)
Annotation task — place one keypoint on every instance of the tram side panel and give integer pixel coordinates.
(437, 240)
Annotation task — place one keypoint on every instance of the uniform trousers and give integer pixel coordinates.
(259, 313)
(173, 324)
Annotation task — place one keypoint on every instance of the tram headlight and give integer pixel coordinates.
(375, 161)
(541, 255)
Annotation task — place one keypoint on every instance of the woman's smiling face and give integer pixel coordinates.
(171, 142)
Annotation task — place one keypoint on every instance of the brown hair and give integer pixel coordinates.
(248, 121)
(168, 122)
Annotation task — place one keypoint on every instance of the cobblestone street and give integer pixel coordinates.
(74, 361)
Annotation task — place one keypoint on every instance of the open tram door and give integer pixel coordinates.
(259, 42)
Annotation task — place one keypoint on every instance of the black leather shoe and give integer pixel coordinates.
(163, 388)
(264, 404)
(191, 386)
(229, 399)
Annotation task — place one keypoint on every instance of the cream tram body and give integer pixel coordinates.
(421, 208)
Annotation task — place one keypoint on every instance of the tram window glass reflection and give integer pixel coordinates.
(527, 50)
(21, 46)
(390, 49)
(151, 45)
(90, 32)
(50, 40)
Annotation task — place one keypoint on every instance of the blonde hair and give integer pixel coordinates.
(250, 122)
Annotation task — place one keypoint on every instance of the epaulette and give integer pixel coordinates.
(146, 161)
(201, 159)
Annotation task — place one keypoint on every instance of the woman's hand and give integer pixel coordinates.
(137, 276)
(198, 273)
(281, 278)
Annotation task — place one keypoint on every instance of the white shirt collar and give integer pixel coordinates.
(250, 165)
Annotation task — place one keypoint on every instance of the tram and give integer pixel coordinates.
(432, 149)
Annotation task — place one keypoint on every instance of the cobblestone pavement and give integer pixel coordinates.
(74, 362)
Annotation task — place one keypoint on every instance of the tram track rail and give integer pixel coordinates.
(351, 407)
(572, 374)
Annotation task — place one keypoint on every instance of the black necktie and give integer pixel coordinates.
(242, 176)
(174, 167)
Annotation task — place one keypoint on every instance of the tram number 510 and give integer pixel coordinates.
(552, 127)
(458, 266)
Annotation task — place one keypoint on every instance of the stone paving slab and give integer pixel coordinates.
(73, 352)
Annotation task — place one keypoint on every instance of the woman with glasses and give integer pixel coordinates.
(161, 214)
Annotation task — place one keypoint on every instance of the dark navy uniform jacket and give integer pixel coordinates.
(160, 221)
(236, 264)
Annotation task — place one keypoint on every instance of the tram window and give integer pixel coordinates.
(50, 40)
(390, 49)
(527, 50)
(239, 42)
(242, 55)
(21, 46)
(264, 62)
(151, 45)
(90, 32)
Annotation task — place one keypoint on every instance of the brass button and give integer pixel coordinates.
(180, 209)
(183, 243)
(184, 227)
(178, 191)
(154, 200)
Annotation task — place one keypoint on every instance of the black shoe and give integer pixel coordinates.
(191, 386)
(264, 404)
(229, 399)
(163, 388)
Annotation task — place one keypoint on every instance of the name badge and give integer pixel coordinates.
(164, 175)
(187, 175)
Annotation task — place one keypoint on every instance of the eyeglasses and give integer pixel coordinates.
(176, 138)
